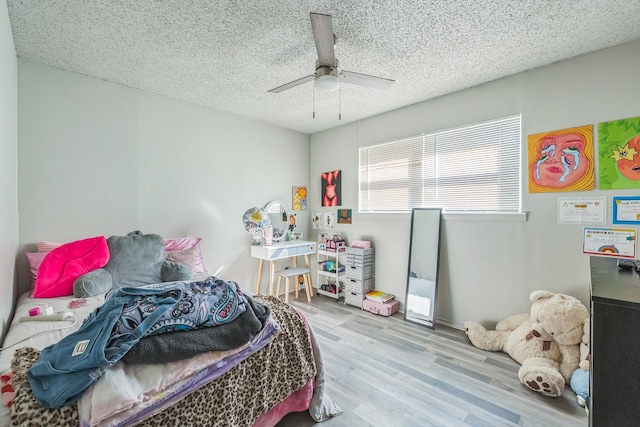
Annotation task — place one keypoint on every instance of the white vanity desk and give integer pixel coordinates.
(281, 250)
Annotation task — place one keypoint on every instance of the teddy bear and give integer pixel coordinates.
(546, 341)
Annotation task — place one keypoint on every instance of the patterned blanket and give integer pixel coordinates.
(237, 398)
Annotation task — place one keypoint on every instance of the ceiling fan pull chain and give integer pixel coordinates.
(340, 101)
(314, 102)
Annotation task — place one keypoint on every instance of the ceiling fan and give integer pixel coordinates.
(328, 75)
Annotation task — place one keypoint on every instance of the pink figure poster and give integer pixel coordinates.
(331, 188)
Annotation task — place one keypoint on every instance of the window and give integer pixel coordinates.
(471, 169)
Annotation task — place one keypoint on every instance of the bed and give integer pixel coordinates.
(278, 371)
(257, 390)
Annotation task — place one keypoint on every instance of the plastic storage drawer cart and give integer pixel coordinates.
(359, 272)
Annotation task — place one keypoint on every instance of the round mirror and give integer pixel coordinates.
(282, 220)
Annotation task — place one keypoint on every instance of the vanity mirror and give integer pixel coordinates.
(280, 219)
(422, 275)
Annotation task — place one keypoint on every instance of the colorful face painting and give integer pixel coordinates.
(561, 160)
(619, 154)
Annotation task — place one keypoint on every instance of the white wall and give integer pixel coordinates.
(489, 267)
(96, 158)
(8, 166)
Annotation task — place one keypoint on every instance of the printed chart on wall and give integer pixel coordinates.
(612, 242)
(582, 210)
(626, 210)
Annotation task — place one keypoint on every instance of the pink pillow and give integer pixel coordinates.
(34, 259)
(184, 243)
(63, 265)
(186, 257)
(47, 246)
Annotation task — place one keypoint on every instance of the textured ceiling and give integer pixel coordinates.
(227, 54)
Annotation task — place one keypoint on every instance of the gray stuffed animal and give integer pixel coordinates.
(135, 259)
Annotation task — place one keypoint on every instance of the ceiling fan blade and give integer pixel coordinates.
(365, 80)
(323, 36)
(292, 84)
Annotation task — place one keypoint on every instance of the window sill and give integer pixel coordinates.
(461, 216)
(485, 216)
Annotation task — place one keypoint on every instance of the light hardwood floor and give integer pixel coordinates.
(388, 372)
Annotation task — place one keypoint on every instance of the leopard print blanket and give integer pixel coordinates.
(237, 398)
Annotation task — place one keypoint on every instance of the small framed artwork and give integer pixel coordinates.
(299, 198)
(329, 220)
(344, 216)
(297, 236)
(316, 221)
(331, 188)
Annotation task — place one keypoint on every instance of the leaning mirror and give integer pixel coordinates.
(280, 219)
(422, 275)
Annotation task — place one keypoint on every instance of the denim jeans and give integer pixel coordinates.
(66, 369)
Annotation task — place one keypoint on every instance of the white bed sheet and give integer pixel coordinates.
(39, 334)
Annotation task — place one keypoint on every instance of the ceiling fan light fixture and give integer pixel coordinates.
(327, 79)
(327, 83)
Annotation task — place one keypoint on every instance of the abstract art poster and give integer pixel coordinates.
(299, 198)
(331, 184)
(561, 160)
(619, 154)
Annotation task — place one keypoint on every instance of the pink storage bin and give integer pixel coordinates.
(381, 308)
(362, 244)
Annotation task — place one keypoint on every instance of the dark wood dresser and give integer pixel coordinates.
(615, 345)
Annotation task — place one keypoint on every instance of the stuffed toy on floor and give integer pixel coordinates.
(580, 377)
(546, 341)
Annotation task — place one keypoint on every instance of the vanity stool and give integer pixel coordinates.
(294, 272)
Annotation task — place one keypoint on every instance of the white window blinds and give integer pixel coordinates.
(471, 169)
